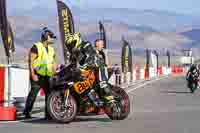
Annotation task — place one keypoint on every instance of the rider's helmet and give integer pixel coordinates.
(73, 41)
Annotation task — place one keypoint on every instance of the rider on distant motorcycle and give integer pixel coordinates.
(85, 54)
(192, 77)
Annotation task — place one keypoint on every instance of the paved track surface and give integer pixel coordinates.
(162, 106)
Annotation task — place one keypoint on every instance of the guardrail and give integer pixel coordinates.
(119, 78)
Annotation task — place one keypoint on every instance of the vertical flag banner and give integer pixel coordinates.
(66, 25)
(102, 33)
(126, 58)
(6, 31)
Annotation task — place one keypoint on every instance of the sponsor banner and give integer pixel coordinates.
(66, 25)
(6, 31)
(126, 59)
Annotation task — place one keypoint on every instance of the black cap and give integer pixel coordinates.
(49, 32)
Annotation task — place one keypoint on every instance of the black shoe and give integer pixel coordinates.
(47, 118)
(27, 115)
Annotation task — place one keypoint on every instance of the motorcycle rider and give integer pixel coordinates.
(198, 85)
(86, 56)
(192, 76)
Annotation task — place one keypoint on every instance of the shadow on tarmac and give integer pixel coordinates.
(176, 92)
(78, 119)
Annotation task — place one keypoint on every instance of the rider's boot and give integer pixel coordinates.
(95, 98)
(106, 91)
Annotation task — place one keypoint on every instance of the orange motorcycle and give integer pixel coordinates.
(69, 96)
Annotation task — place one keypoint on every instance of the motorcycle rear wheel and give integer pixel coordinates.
(121, 108)
(192, 87)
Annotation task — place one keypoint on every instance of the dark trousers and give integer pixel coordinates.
(43, 82)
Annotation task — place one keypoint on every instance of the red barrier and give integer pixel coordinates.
(182, 70)
(159, 71)
(176, 70)
(2, 77)
(7, 113)
(146, 74)
(137, 73)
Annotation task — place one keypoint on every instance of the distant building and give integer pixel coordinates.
(187, 57)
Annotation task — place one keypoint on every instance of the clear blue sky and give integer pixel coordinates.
(179, 6)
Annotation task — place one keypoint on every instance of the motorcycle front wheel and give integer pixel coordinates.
(192, 87)
(57, 109)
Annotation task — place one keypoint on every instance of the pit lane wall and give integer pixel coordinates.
(138, 74)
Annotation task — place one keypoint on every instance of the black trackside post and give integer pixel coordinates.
(147, 59)
(169, 61)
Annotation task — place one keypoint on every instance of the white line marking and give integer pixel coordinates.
(148, 82)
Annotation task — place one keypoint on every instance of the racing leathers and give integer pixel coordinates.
(87, 57)
(193, 73)
(192, 77)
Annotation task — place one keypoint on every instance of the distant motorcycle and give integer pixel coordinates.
(70, 91)
(192, 78)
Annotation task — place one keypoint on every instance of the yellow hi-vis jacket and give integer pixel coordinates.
(43, 64)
